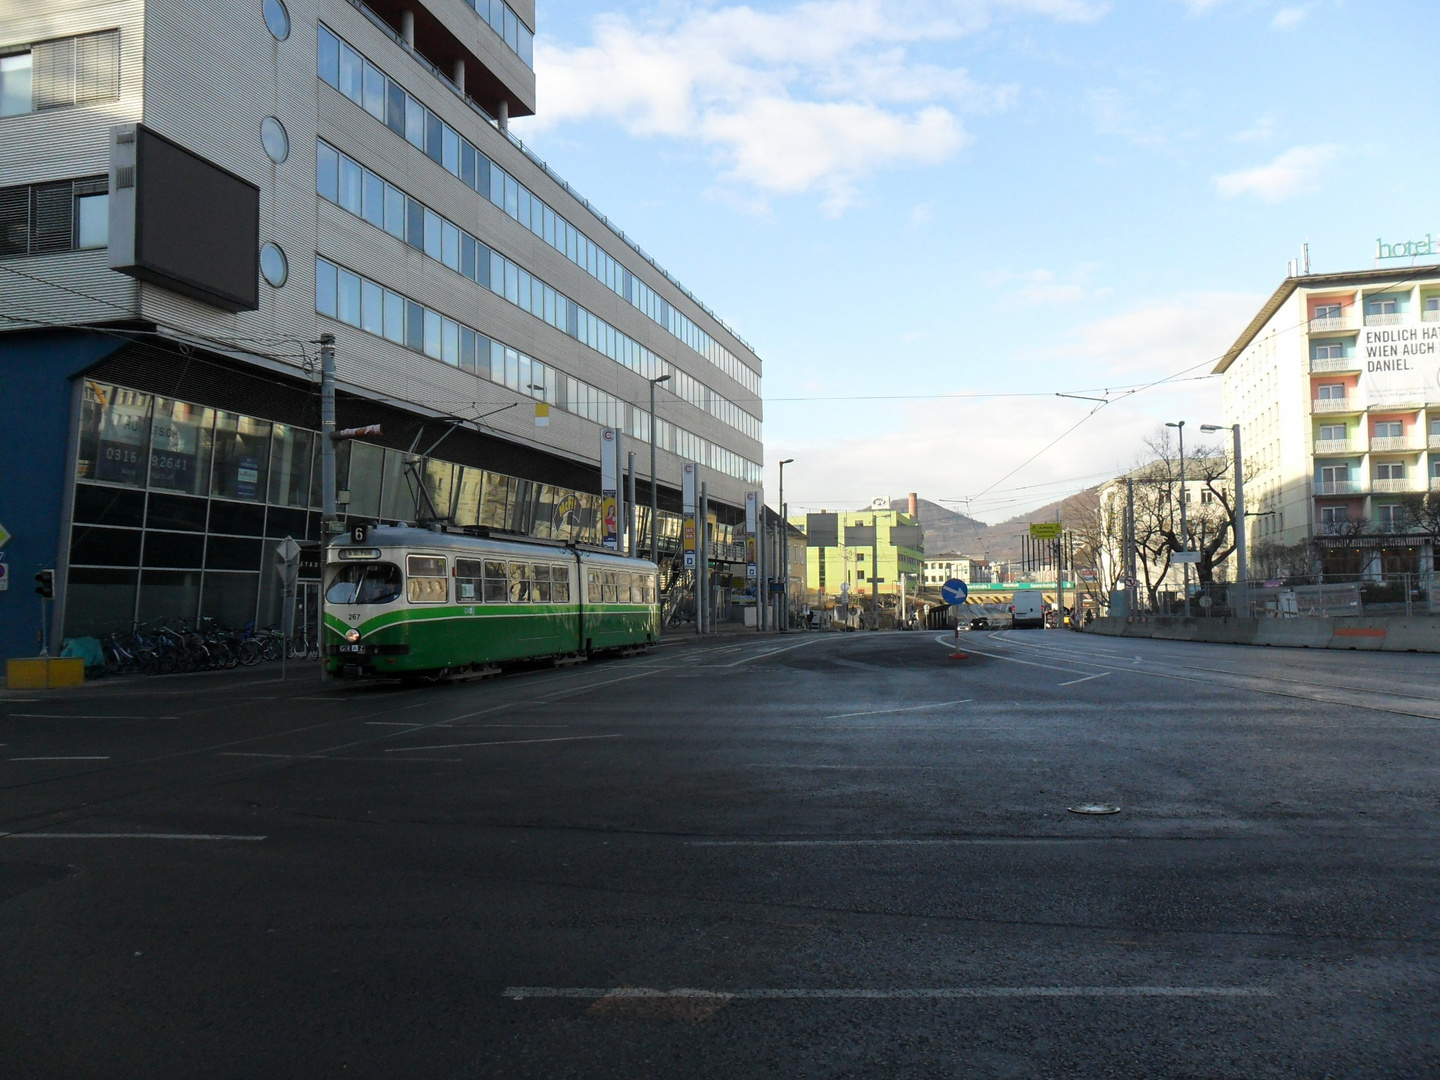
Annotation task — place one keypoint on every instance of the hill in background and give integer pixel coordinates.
(948, 530)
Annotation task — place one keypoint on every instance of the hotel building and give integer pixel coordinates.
(1336, 383)
(192, 194)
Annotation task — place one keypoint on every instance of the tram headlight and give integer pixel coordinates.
(352, 635)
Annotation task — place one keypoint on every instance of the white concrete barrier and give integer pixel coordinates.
(1419, 633)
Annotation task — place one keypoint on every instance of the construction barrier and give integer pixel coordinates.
(44, 673)
(1395, 634)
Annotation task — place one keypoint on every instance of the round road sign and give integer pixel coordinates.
(954, 591)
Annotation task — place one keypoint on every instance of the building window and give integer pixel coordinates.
(1389, 429)
(15, 72)
(1333, 518)
(1334, 474)
(1390, 470)
(1332, 392)
(1385, 305)
(1332, 432)
(1329, 350)
(45, 219)
(1390, 517)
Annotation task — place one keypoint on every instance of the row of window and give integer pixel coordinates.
(1375, 305)
(369, 306)
(366, 194)
(65, 71)
(509, 26)
(345, 69)
(43, 219)
(482, 581)
(1389, 517)
(1379, 429)
(1384, 470)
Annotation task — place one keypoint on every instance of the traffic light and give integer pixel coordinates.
(45, 584)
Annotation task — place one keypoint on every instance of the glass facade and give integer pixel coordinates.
(363, 193)
(178, 508)
(346, 70)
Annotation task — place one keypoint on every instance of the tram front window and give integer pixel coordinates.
(370, 583)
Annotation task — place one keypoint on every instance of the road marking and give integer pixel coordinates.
(502, 742)
(392, 723)
(329, 757)
(1087, 678)
(585, 993)
(85, 757)
(907, 708)
(772, 652)
(882, 842)
(87, 716)
(122, 836)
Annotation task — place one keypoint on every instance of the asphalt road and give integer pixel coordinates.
(813, 855)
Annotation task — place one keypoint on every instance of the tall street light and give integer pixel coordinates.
(1242, 578)
(654, 500)
(784, 551)
(1184, 531)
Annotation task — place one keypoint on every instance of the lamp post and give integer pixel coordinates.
(1184, 530)
(784, 552)
(1241, 603)
(654, 501)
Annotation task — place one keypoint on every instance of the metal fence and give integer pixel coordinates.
(1317, 596)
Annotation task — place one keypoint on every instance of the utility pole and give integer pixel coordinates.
(327, 428)
(761, 592)
(784, 550)
(631, 517)
(1059, 573)
(1132, 569)
(875, 572)
(654, 498)
(703, 563)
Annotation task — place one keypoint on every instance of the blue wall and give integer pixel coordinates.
(35, 390)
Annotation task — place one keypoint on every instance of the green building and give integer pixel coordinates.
(860, 564)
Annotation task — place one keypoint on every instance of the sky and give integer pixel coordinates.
(930, 217)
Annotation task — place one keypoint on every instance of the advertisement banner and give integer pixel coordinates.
(751, 498)
(690, 489)
(1400, 365)
(610, 519)
(609, 461)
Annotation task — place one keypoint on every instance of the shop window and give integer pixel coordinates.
(290, 450)
(242, 453)
(230, 599)
(168, 594)
(180, 550)
(99, 601)
(181, 444)
(176, 512)
(232, 553)
(109, 506)
(239, 519)
(93, 546)
(292, 523)
(114, 427)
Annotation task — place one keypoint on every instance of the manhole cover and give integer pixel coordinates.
(1094, 808)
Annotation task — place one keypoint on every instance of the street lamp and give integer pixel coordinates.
(784, 551)
(1184, 530)
(654, 500)
(1242, 578)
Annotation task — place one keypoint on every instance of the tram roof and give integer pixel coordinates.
(411, 536)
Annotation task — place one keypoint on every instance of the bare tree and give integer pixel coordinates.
(1422, 513)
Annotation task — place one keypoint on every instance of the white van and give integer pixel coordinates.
(1028, 609)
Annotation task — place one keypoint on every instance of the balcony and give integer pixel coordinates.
(1339, 446)
(1339, 487)
(1390, 486)
(1329, 326)
(1334, 363)
(1392, 444)
(1334, 405)
(1435, 441)
(1435, 483)
(1390, 318)
(1430, 315)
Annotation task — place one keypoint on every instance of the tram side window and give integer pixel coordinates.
(467, 580)
(595, 586)
(560, 584)
(364, 583)
(427, 579)
(540, 589)
(607, 595)
(649, 588)
(519, 583)
(497, 587)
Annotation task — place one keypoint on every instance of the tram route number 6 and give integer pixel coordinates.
(359, 534)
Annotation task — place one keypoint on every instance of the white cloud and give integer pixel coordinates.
(1288, 18)
(1033, 288)
(1295, 172)
(1162, 339)
(1261, 131)
(810, 98)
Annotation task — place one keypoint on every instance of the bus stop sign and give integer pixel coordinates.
(954, 591)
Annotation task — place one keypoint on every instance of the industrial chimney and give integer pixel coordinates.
(914, 505)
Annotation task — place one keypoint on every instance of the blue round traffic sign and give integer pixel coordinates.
(954, 591)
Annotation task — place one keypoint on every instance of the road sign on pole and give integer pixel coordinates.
(1045, 530)
(954, 591)
(287, 565)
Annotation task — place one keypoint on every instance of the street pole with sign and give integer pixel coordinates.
(287, 565)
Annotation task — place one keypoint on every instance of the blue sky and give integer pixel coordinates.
(898, 201)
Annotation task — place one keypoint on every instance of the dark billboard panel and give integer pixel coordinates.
(822, 530)
(196, 226)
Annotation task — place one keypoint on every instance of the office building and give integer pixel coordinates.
(1336, 385)
(191, 194)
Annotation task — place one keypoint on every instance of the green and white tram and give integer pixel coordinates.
(403, 602)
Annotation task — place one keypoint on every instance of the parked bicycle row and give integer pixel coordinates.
(160, 648)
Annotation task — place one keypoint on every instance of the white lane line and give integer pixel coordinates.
(1012, 659)
(501, 742)
(585, 993)
(895, 842)
(392, 723)
(1087, 678)
(73, 757)
(86, 716)
(907, 708)
(772, 652)
(330, 757)
(121, 836)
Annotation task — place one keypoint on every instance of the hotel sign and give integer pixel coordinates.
(1401, 364)
(1408, 249)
